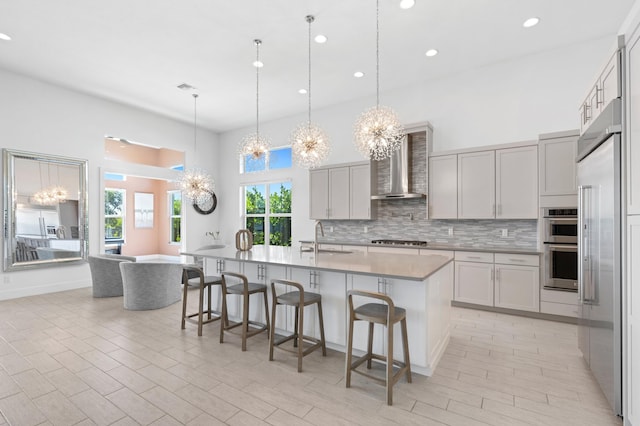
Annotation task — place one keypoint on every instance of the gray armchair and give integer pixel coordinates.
(105, 274)
(150, 285)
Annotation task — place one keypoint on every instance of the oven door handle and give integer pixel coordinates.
(561, 219)
(563, 247)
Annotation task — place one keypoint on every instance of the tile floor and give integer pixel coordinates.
(69, 359)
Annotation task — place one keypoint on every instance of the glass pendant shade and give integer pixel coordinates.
(309, 143)
(309, 146)
(254, 148)
(378, 133)
(196, 185)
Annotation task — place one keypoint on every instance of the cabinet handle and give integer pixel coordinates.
(599, 96)
(493, 210)
(474, 257)
(587, 113)
(516, 260)
(492, 275)
(497, 274)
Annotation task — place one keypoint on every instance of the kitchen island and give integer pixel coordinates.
(422, 284)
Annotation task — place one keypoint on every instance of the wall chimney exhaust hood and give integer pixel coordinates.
(399, 175)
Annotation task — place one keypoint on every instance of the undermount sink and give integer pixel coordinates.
(211, 247)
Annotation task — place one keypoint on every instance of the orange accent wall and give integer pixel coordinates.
(145, 241)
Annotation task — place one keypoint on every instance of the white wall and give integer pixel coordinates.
(505, 102)
(39, 117)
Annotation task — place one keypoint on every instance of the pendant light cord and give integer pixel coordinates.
(257, 43)
(309, 19)
(377, 53)
(195, 122)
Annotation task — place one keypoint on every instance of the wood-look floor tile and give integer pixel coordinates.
(128, 359)
(14, 363)
(209, 402)
(176, 407)
(166, 421)
(59, 409)
(273, 396)
(33, 383)
(125, 421)
(101, 344)
(252, 405)
(100, 360)
(19, 410)
(66, 382)
(99, 409)
(99, 381)
(205, 420)
(245, 419)
(194, 376)
(131, 379)
(444, 416)
(135, 406)
(7, 385)
(281, 417)
(72, 361)
(482, 415)
(162, 377)
(43, 362)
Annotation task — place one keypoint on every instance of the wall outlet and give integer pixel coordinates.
(505, 233)
(450, 231)
(366, 229)
(331, 229)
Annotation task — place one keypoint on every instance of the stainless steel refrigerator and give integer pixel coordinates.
(599, 248)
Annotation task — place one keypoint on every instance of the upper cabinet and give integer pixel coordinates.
(517, 183)
(496, 183)
(443, 187)
(476, 185)
(341, 192)
(557, 169)
(606, 87)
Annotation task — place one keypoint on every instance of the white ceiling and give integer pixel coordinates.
(137, 52)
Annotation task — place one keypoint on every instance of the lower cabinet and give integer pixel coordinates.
(507, 281)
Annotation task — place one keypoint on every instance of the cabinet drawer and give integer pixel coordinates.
(559, 309)
(555, 296)
(355, 249)
(472, 256)
(518, 259)
(394, 250)
(446, 253)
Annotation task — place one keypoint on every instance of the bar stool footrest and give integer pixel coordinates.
(258, 327)
(402, 368)
(315, 344)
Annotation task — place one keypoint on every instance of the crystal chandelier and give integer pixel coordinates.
(378, 131)
(196, 184)
(309, 143)
(50, 195)
(254, 148)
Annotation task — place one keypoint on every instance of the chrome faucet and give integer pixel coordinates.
(315, 237)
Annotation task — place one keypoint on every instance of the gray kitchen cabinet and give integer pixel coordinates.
(517, 183)
(633, 125)
(476, 185)
(339, 193)
(443, 187)
(557, 165)
(517, 282)
(360, 192)
(473, 278)
(632, 331)
(606, 87)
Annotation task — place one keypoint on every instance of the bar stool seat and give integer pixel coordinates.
(298, 299)
(388, 315)
(245, 289)
(194, 276)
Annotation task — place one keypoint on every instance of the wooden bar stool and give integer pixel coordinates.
(388, 315)
(193, 276)
(244, 289)
(298, 299)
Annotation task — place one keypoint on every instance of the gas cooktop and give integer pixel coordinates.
(400, 242)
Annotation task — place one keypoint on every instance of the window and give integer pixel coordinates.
(278, 158)
(175, 215)
(274, 209)
(114, 212)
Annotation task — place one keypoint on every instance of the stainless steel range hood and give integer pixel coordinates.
(399, 175)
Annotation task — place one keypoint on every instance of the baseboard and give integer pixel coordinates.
(16, 293)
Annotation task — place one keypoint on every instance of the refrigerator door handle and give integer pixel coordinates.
(584, 271)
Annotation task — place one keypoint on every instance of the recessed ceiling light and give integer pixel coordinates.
(258, 64)
(531, 22)
(358, 74)
(320, 39)
(302, 91)
(431, 52)
(407, 4)
(4, 37)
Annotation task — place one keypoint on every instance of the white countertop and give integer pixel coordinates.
(411, 267)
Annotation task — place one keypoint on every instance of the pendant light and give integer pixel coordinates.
(254, 148)
(309, 143)
(196, 184)
(378, 131)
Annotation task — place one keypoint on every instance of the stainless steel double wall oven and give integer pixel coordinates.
(561, 249)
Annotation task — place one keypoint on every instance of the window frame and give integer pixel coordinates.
(172, 216)
(267, 162)
(267, 206)
(123, 214)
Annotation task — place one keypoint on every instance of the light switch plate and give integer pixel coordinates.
(505, 233)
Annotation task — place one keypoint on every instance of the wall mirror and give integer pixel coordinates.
(45, 210)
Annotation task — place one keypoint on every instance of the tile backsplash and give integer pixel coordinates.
(406, 220)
